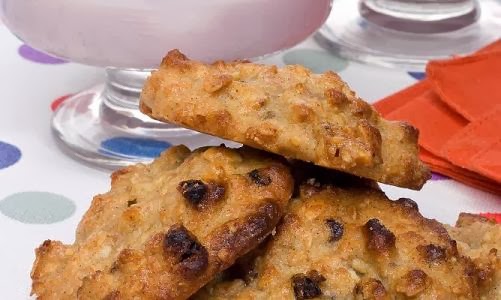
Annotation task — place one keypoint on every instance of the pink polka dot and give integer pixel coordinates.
(493, 216)
(58, 101)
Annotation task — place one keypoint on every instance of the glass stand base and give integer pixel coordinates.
(355, 32)
(90, 128)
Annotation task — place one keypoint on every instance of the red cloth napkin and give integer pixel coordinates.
(457, 110)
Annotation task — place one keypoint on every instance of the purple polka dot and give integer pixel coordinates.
(362, 23)
(134, 147)
(417, 75)
(9, 155)
(39, 57)
(436, 176)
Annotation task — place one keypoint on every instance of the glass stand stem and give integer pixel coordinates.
(123, 86)
(431, 10)
(420, 16)
(121, 100)
(408, 33)
(103, 126)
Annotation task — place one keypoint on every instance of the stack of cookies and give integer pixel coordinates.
(296, 213)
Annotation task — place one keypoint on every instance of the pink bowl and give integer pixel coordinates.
(136, 34)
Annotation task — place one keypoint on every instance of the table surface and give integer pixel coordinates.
(44, 193)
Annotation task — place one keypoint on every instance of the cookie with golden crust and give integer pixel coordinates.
(166, 229)
(353, 243)
(480, 239)
(289, 111)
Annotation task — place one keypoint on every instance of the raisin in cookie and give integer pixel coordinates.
(288, 111)
(352, 243)
(166, 229)
(480, 239)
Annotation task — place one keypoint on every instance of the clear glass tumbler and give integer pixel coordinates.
(409, 33)
(129, 38)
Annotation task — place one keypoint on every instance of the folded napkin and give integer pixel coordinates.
(457, 110)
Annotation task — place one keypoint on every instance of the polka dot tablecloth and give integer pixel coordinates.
(43, 193)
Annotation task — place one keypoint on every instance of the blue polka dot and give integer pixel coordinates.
(135, 147)
(37, 207)
(417, 75)
(9, 155)
(318, 61)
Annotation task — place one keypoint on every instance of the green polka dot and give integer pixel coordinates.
(37, 207)
(317, 60)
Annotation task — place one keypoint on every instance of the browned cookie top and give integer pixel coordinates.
(480, 239)
(166, 229)
(353, 243)
(288, 111)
